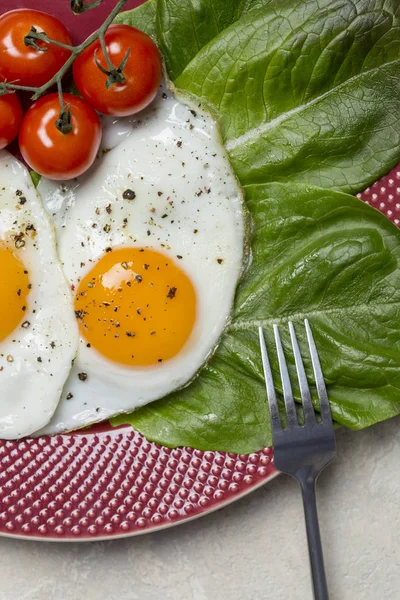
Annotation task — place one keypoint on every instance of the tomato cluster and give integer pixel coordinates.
(59, 138)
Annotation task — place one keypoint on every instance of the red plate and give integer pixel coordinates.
(108, 482)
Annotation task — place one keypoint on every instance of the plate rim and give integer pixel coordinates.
(148, 530)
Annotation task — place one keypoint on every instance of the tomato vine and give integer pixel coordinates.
(33, 37)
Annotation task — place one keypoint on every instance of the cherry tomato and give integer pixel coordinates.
(23, 64)
(10, 118)
(50, 152)
(142, 72)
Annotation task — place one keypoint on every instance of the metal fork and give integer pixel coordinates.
(302, 451)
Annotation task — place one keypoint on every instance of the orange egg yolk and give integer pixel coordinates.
(136, 307)
(14, 291)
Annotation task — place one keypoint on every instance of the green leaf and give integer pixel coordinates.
(143, 17)
(318, 254)
(306, 94)
(344, 146)
(36, 177)
(184, 27)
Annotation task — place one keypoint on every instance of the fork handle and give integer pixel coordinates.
(314, 539)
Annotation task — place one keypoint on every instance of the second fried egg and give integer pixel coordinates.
(38, 332)
(151, 241)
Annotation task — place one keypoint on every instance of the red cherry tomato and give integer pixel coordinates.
(142, 72)
(54, 154)
(10, 118)
(23, 64)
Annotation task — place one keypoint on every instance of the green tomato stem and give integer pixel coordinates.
(110, 66)
(60, 95)
(6, 87)
(63, 122)
(78, 7)
(33, 35)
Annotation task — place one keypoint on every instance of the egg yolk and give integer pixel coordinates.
(136, 307)
(15, 288)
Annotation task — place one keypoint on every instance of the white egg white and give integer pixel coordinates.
(35, 359)
(188, 204)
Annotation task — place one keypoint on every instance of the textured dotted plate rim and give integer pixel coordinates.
(139, 532)
(108, 482)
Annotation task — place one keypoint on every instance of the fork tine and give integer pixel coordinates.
(319, 378)
(291, 415)
(269, 384)
(308, 409)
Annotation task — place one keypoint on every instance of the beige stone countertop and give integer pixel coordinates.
(254, 549)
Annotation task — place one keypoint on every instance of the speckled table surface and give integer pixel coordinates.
(253, 549)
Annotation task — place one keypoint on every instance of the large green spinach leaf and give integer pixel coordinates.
(305, 93)
(143, 17)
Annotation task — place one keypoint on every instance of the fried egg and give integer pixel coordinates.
(38, 331)
(151, 240)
